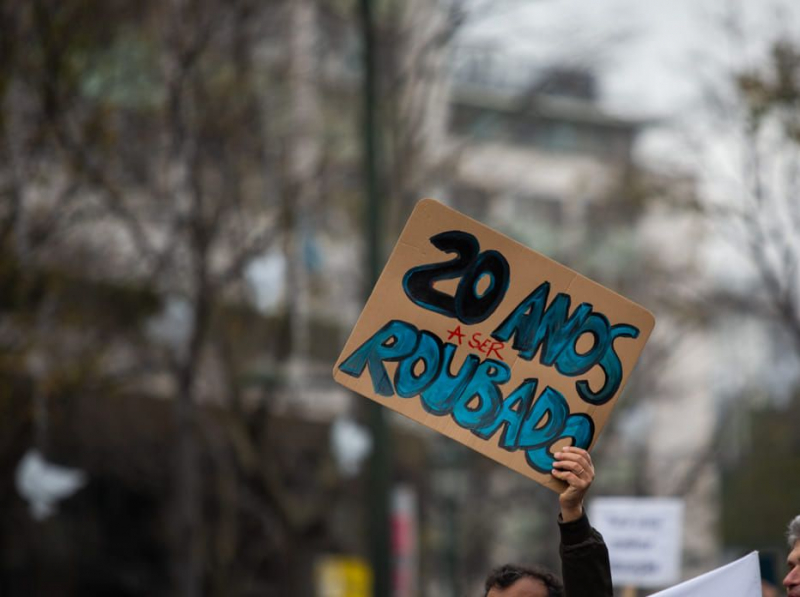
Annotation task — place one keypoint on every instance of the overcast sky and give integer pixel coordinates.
(652, 55)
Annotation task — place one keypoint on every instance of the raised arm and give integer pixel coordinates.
(585, 568)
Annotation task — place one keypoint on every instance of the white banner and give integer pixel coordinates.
(741, 578)
(644, 538)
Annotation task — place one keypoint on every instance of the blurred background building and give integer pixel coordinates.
(182, 256)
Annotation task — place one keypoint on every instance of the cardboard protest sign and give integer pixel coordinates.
(492, 344)
(643, 536)
(741, 578)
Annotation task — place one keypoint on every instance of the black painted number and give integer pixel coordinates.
(469, 305)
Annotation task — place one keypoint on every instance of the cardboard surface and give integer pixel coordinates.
(491, 343)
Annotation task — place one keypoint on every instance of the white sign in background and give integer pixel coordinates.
(644, 537)
(741, 578)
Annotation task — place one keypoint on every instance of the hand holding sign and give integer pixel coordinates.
(574, 467)
(485, 347)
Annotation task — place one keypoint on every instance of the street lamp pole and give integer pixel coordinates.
(379, 466)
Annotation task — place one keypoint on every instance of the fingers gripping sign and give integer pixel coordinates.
(573, 466)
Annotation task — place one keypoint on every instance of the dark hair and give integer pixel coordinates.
(506, 575)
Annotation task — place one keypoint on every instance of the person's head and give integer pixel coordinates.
(521, 581)
(792, 580)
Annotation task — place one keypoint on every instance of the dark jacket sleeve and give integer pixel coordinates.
(584, 560)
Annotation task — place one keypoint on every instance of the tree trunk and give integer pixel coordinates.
(302, 174)
(187, 477)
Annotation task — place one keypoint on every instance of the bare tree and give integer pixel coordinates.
(169, 179)
(760, 213)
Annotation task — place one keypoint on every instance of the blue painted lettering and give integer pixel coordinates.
(579, 428)
(393, 342)
(428, 353)
(545, 421)
(611, 366)
(440, 396)
(511, 415)
(481, 400)
(472, 396)
(533, 326)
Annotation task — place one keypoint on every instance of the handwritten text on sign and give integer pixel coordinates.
(463, 374)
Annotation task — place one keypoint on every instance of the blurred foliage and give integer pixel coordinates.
(150, 153)
(761, 481)
(84, 302)
(775, 88)
(761, 490)
(144, 160)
